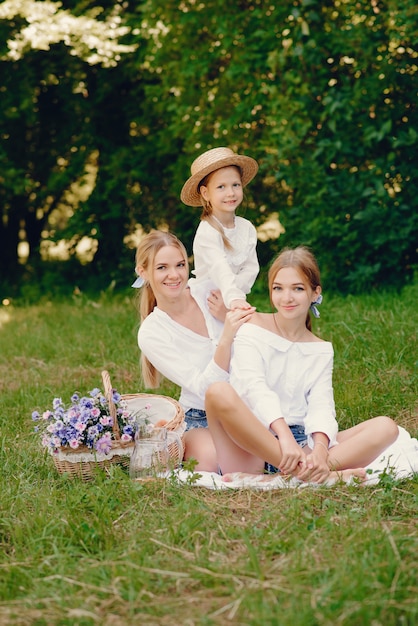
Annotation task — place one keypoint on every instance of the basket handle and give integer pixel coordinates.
(109, 397)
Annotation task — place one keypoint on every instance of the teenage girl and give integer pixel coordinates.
(278, 411)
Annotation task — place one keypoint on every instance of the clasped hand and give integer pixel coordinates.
(311, 467)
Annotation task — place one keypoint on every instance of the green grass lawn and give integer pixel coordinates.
(111, 552)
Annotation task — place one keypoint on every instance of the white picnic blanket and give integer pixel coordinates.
(400, 460)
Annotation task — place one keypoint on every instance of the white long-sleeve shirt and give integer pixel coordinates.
(279, 378)
(232, 271)
(181, 355)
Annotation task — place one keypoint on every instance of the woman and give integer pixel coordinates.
(179, 338)
(279, 407)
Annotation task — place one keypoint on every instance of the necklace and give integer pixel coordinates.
(295, 339)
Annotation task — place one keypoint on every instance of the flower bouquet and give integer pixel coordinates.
(92, 431)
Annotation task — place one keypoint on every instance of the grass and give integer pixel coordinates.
(113, 552)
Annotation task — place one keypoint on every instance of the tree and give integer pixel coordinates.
(46, 58)
(322, 94)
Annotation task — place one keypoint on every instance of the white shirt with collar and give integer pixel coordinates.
(181, 355)
(232, 271)
(279, 378)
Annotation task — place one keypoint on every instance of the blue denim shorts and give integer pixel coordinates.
(195, 418)
(301, 439)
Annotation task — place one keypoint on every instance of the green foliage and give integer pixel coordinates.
(322, 94)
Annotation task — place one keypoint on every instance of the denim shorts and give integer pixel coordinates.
(195, 418)
(301, 439)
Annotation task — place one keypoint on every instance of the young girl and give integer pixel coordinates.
(224, 246)
(179, 338)
(279, 407)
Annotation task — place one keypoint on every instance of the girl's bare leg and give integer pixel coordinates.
(238, 435)
(362, 444)
(240, 438)
(199, 445)
(242, 442)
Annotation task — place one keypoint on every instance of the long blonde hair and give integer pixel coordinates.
(301, 259)
(144, 259)
(207, 212)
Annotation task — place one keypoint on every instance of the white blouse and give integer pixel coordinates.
(232, 271)
(180, 354)
(279, 378)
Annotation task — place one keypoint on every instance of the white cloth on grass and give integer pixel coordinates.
(399, 460)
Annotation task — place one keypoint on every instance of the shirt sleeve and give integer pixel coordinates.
(320, 415)
(167, 351)
(248, 379)
(210, 253)
(249, 270)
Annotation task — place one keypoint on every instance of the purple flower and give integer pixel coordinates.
(57, 402)
(104, 444)
(128, 430)
(116, 396)
(86, 421)
(93, 431)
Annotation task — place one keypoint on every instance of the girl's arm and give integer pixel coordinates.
(169, 353)
(192, 362)
(248, 377)
(249, 270)
(320, 417)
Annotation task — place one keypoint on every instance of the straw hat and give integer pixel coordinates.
(211, 161)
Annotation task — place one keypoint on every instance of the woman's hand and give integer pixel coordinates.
(233, 321)
(216, 305)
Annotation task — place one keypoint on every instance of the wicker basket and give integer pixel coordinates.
(83, 462)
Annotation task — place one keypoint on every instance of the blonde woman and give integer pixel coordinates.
(179, 338)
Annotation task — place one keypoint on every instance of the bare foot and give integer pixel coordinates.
(356, 475)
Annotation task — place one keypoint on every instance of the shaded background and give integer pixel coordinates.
(106, 104)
